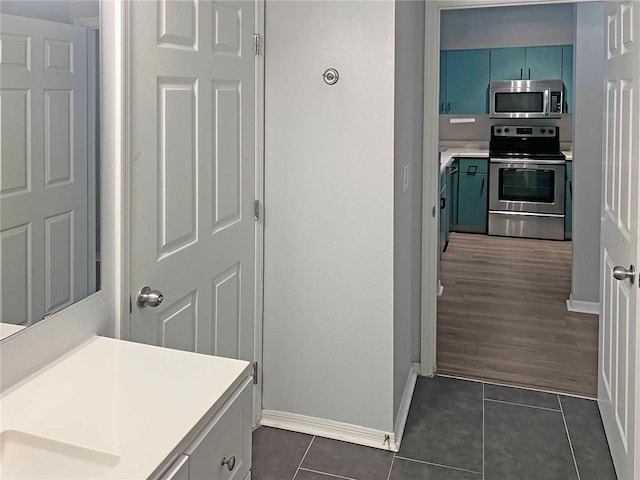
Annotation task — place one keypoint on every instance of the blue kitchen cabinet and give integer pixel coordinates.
(442, 239)
(467, 81)
(473, 183)
(568, 202)
(567, 77)
(507, 63)
(443, 81)
(543, 63)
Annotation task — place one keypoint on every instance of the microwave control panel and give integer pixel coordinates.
(556, 102)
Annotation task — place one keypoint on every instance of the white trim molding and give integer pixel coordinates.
(405, 404)
(345, 432)
(579, 306)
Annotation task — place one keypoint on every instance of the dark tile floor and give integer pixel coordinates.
(456, 430)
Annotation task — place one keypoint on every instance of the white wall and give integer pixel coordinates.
(62, 11)
(409, 74)
(496, 27)
(328, 293)
(587, 149)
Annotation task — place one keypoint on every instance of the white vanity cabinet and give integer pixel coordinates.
(222, 450)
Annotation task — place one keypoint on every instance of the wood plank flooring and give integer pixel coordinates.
(503, 316)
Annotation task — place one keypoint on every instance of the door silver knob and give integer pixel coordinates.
(229, 462)
(146, 296)
(621, 273)
(331, 76)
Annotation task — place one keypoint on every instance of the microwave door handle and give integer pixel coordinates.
(546, 109)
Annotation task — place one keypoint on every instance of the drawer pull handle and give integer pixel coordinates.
(229, 462)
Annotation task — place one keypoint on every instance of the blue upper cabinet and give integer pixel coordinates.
(467, 81)
(507, 63)
(443, 81)
(567, 76)
(543, 63)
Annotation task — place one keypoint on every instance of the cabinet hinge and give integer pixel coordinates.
(255, 373)
(256, 210)
(256, 44)
(130, 306)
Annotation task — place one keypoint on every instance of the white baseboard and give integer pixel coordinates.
(579, 306)
(330, 429)
(403, 412)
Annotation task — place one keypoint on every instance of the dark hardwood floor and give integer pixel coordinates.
(503, 316)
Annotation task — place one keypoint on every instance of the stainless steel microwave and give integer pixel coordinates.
(526, 99)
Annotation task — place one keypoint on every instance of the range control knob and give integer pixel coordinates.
(543, 130)
(499, 130)
(506, 130)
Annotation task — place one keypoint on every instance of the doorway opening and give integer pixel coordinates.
(503, 285)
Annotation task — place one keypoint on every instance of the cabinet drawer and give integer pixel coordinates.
(223, 450)
(471, 166)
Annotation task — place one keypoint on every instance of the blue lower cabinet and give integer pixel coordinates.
(442, 239)
(473, 185)
(568, 202)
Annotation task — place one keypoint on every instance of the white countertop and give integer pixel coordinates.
(475, 152)
(470, 152)
(133, 402)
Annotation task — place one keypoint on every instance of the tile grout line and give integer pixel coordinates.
(326, 474)
(393, 459)
(566, 428)
(482, 430)
(438, 465)
(303, 457)
(522, 405)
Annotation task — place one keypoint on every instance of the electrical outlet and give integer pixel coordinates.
(406, 177)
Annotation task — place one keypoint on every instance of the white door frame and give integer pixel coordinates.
(431, 174)
(115, 183)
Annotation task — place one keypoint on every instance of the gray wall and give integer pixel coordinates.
(62, 11)
(328, 280)
(409, 86)
(507, 26)
(587, 150)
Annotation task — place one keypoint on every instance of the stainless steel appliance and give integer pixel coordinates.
(526, 182)
(526, 98)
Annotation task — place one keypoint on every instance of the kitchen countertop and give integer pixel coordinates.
(478, 151)
(132, 403)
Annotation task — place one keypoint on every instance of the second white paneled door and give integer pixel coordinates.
(192, 167)
(619, 351)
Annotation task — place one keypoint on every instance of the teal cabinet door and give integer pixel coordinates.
(473, 184)
(453, 193)
(507, 63)
(567, 76)
(568, 202)
(442, 238)
(443, 82)
(468, 81)
(543, 63)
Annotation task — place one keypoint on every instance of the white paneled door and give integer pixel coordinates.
(192, 170)
(43, 168)
(618, 370)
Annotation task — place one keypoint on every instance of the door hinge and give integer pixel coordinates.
(255, 373)
(256, 210)
(256, 44)
(130, 305)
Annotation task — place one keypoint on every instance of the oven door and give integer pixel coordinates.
(525, 186)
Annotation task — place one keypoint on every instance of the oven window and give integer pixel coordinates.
(527, 185)
(525, 102)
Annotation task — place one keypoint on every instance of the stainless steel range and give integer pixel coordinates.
(526, 182)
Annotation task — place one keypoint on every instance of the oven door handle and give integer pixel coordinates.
(525, 161)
